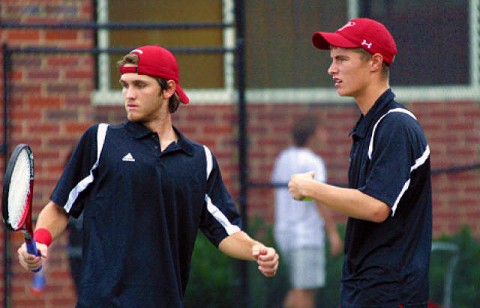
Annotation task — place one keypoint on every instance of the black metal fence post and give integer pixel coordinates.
(242, 137)
(4, 151)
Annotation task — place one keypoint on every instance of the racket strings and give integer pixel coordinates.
(19, 191)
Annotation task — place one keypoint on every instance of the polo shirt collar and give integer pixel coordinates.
(184, 143)
(139, 131)
(360, 129)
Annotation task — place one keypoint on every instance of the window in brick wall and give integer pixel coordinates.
(432, 38)
(206, 76)
(438, 56)
(437, 59)
(193, 67)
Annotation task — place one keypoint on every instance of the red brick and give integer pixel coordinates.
(21, 35)
(78, 74)
(60, 35)
(77, 128)
(42, 102)
(44, 74)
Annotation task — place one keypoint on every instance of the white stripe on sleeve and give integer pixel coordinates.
(418, 162)
(83, 184)
(220, 217)
(209, 158)
(370, 148)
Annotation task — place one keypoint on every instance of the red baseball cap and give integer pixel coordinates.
(156, 61)
(363, 33)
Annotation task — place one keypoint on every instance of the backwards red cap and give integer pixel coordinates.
(360, 33)
(156, 61)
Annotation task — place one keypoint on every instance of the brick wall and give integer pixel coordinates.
(51, 107)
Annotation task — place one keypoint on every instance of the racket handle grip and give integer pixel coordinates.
(38, 282)
(32, 249)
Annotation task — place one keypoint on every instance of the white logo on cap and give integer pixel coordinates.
(348, 24)
(369, 45)
(137, 51)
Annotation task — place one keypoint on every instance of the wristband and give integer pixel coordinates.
(43, 236)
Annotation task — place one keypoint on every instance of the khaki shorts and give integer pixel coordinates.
(306, 267)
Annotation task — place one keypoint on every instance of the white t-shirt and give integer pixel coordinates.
(297, 223)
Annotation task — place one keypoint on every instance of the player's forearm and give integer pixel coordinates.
(53, 218)
(348, 201)
(238, 245)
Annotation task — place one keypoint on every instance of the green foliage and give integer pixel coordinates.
(215, 278)
(466, 275)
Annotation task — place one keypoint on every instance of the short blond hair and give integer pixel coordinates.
(365, 56)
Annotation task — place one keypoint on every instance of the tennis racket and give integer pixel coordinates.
(17, 195)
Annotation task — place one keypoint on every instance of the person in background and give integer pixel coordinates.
(389, 195)
(144, 190)
(299, 225)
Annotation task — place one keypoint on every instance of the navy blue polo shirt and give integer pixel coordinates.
(387, 264)
(141, 214)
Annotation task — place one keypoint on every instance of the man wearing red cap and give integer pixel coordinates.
(389, 198)
(144, 190)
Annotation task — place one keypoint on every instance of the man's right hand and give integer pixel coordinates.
(31, 262)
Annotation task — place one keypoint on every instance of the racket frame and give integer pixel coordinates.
(25, 224)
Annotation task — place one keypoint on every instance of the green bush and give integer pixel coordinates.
(466, 275)
(215, 279)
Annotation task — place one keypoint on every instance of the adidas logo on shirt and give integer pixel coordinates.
(128, 157)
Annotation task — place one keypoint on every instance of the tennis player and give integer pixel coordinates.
(143, 198)
(389, 198)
